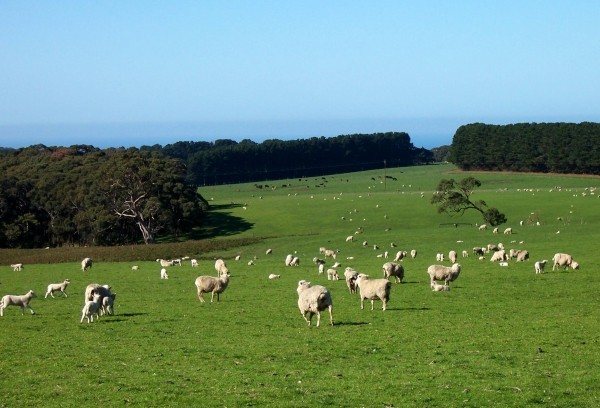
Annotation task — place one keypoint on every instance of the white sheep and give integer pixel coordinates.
(321, 269)
(393, 245)
(446, 273)
(220, 267)
(53, 287)
(336, 265)
(439, 257)
(373, 289)
(86, 264)
(91, 309)
(436, 287)
(295, 261)
(269, 251)
(477, 251)
(318, 261)
(539, 266)
(164, 274)
(562, 260)
(350, 238)
(237, 257)
(375, 247)
(332, 274)
(107, 307)
(17, 267)
(465, 254)
(273, 276)
(365, 244)
(503, 264)
(413, 253)
(313, 300)
(94, 288)
(250, 263)
(206, 284)
(521, 223)
(499, 256)
(492, 247)
(194, 263)
(500, 245)
(164, 263)
(575, 265)
(17, 300)
(452, 256)
(176, 262)
(288, 259)
(481, 258)
(393, 269)
(386, 254)
(400, 255)
(482, 227)
(495, 231)
(508, 231)
(523, 256)
(135, 268)
(350, 275)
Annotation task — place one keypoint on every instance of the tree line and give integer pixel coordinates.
(227, 161)
(528, 147)
(81, 195)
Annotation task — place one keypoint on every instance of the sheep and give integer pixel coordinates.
(205, 284)
(492, 247)
(477, 251)
(330, 253)
(562, 260)
(513, 253)
(386, 254)
(332, 274)
(523, 256)
(313, 300)
(164, 274)
(481, 258)
(499, 256)
(439, 257)
(17, 267)
(107, 305)
(86, 264)
(165, 263)
(269, 251)
(318, 261)
(482, 227)
(176, 262)
(413, 253)
(393, 269)
(379, 255)
(436, 287)
(17, 300)
(452, 256)
(220, 267)
(288, 259)
(503, 264)
(351, 275)
(237, 257)
(375, 247)
(350, 238)
(400, 255)
(321, 269)
(465, 254)
(336, 265)
(575, 265)
(273, 276)
(322, 250)
(446, 273)
(365, 244)
(91, 308)
(521, 223)
(508, 231)
(250, 263)
(393, 245)
(94, 288)
(374, 289)
(495, 231)
(295, 261)
(500, 245)
(194, 263)
(135, 268)
(53, 287)
(539, 266)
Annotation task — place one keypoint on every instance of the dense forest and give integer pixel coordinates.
(81, 195)
(535, 147)
(227, 161)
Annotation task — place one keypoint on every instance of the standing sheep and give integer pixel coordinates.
(332, 274)
(539, 266)
(465, 254)
(508, 231)
(523, 256)
(400, 255)
(288, 259)
(374, 289)
(17, 267)
(350, 275)
(318, 261)
(393, 269)
(495, 231)
(445, 273)
(86, 264)
(16, 300)
(313, 300)
(321, 269)
(164, 274)
(499, 256)
(93, 288)
(91, 309)
(477, 251)
(482, 227)
(295, 261)
(53, 287)
(452, 256)
(350, 238)
(220, 267)
(107, 307)
(562, 260)
(269, 251)
(205, 284)
(194, 263)
(413, 253)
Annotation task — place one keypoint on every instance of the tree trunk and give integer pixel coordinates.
(146, 233)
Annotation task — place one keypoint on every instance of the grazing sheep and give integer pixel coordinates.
(86, 264)
(452, 256)
(523, 256)
(539, 266)
(521, 223)
(436, 287)
(313, 300)
(374, 289)
(500, 245)
(499, 256)
(495, 231)
(393, 245)
(194, 263)
(332, 274)
(273, 276)
(513, 253)
(94, 288)
(482, 227)
(400, 255)
(350, 238)
(446, 273)
(205, 284)
(164, 274)
(237, 257)
(288, 259)
(250, 263)
(269, 251)
(322, 250)
(492, 247)
(17, 300)
(562, 260)
(477, 251)
(386, 254)
(295, 261)
(365, 244)
(321, 269)
(17, 267)
(53, 287)
(176, 262)
(91, 308)
(107, 305)
(351, 275)
(220, 267)
(465, 254)
(575, 264)
(413, 253)
(508, 231)
(164, 263)
(393, 269)
(135, 268)
(318, 261)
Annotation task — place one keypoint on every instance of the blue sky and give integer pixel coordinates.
(114, 73)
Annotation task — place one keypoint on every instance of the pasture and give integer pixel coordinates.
(502, 336)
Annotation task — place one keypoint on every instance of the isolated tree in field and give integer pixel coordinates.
(455, 198)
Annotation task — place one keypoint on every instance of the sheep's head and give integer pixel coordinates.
(67, 280)
(456, 267)
(32, 294)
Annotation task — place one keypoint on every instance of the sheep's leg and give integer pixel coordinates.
(384, 304)
(372, 304)
(318, 318)
(331, 314)
(200, 297)
(362, 303)
(30, 308)
(64, 293)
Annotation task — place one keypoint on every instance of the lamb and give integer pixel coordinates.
(439, 257)
(194, 263)
(499, 256)
(91, 308)
(273, 276)
(295, 261)
(375, 247)
(107, 305)
(86, 264)
(206, 284)
(477, 251)
(521, 223)
(495, 231)
(318, 261)
(17, 267)
(393, 269)
(413, 253)
(436, 287)
(508, 231)
(513, 253)
(452, 256)
(176, 262)
(503, 264)
(562, 260)
(365, 244)
(313, 300)
(53, 287)
(482, 227)
(539, 266)
(250, 263)
(336, 265)
(322, 250)
(374, 289)
(332, 274)
(350, 238)
(237, 257)
(393, 245)
(165, 263)
(351, 275)
(500, 245)
(288, 259)
(446, 273)
(17, 300)
(220, 267)
(269, 251)
(386, 254)
(321, 269)
(135, 268)
(523, 256)
(465, 254)
(575, 265)
(400, 255)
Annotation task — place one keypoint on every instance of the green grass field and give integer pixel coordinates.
(503, 336)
